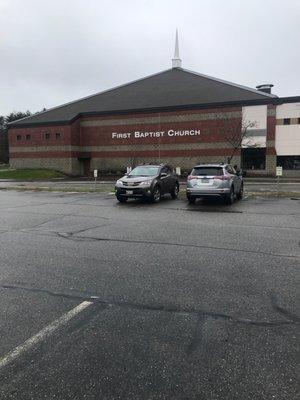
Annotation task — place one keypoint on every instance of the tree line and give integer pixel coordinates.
(4, 121)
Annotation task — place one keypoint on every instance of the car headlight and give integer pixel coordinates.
(119, 182)
(146, 183)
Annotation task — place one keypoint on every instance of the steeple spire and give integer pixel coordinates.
(176, 61)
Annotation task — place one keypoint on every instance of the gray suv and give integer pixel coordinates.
(214, 180)
(148, 181)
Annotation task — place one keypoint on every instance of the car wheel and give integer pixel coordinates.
(229, 199)
(191, 199)
(175, 191)
(121, 199)
(240, 194)
(156, 195)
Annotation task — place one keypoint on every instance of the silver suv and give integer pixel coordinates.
(214, 180)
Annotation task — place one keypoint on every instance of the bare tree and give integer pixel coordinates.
(235, 131)
(133, 161)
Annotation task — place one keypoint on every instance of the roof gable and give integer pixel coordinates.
(174, 87)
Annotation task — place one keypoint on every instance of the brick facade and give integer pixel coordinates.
(88, 142)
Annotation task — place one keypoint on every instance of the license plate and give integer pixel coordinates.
(205, 180)
(129, 191)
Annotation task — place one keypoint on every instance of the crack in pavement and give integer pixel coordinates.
(46, 222)
(69, 236)
(33, 227)
(285, 313)
(290, 318)
(108, 218)
(62, 215)
(23, 205)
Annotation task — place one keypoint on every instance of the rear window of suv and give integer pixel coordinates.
(214, 171)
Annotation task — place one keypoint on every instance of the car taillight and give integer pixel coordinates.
(190, 177)
(222, 177)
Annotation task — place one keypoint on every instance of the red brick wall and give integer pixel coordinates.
(210, 143)
(77, 135)
(102, 135)
(37, 136)
(271, 123)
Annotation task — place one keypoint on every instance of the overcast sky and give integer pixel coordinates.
(55, 51)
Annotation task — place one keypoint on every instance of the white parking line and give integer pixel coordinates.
(43, 334)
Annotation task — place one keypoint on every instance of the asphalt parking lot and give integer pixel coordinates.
(100, 300)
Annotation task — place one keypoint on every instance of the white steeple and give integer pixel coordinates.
(176, 61)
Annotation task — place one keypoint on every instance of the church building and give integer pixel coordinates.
(176, 116)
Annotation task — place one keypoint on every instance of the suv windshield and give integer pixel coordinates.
(207, 171)
(144, 171)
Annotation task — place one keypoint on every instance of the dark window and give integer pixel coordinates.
(19, 137)
(298, 120)
(165, 170)
(288, 162)
(57, 135)
(27, 137)
(210, 171)
(254, 158)
(47, 135)
(286, 121)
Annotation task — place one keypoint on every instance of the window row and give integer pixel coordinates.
(289, 162)
(289, 121)
(47, 136)
(255, 158)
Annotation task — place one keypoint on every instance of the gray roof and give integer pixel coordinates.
(176, 87)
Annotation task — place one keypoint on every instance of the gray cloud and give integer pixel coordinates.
(56, 51)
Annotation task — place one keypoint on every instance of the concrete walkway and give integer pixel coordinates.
(251, 185)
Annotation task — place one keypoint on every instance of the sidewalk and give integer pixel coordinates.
(112, 180)
(252, 187)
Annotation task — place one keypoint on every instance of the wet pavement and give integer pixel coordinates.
(101, 300)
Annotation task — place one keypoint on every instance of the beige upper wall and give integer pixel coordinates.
(288, 110)
(287, 140)
(257, 133)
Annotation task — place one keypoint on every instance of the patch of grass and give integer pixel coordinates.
(29, 174)
(102, 189)
(296, 195)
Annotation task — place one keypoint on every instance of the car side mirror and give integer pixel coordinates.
(163, 174)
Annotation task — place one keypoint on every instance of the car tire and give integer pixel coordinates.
(175, 191)
(240, 194)
(121, 199)
(156, 194)
(191, 199)
(229, 198)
